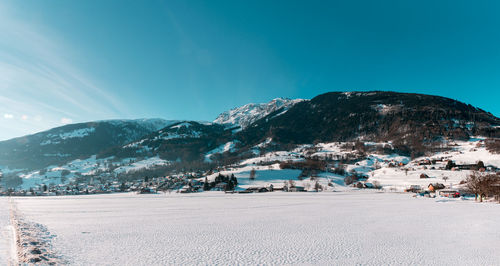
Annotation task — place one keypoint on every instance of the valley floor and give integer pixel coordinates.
(329, 228)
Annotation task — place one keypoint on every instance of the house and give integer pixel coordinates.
(424, 176)
(255, 190)
(491, 168)
(413, 188)
(147, 190)
(369, 185)
(435, 186)
(189, 189)
(467, 167)
(449, 193)
(426, 194)
(297, 189)
(425, 162)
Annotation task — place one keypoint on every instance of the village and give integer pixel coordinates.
(226, 182)
(168, 184)
(329, 167)
(481, 182)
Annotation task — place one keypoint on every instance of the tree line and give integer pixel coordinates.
(484, 185)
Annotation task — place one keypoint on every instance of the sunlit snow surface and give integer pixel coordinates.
(328, 228)
(6, 233)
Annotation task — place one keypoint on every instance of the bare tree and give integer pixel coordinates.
(483, 186)
(472, 182)
(489, 185)
(495, 187)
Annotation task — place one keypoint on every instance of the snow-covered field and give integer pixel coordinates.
(328, 228)
(6, 234)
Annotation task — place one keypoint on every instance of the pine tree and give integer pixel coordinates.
(123, 187)
(450, 165)
(230, 185)
(218, 179)
(235, 181)
(206, 185)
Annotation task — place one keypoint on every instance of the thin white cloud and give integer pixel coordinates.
(66, 120)
(38, 78)
(8, 116)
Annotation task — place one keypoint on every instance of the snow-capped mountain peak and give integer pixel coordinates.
(245, 115)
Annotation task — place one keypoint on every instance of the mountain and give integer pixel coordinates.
(412, 124)
(192, 140)
(247, 114)
(69, 142)
(407, 119)
(180, 141)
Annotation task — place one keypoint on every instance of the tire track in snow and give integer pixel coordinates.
(32, 241)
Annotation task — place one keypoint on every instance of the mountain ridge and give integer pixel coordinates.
(412, 122)
(245, 115)
(73, 141)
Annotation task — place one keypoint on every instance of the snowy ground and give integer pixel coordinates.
(7, 251)
(464, 152)
(328, 228)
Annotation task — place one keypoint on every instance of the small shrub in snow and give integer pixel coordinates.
(252, 174)
(317, 186)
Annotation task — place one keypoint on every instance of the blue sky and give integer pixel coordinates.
(76, 61)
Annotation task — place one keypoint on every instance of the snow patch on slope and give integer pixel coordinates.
(221, 149)
(184, 124)
(247, 114)
(143, 164)
(77, 133)
(153, 124)
(174, 135)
